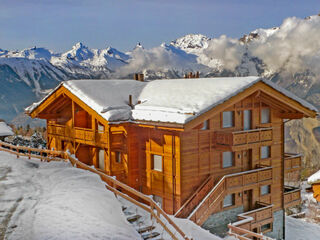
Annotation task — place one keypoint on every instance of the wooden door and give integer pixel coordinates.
(247, 200)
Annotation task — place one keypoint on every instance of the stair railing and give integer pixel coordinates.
(117, 187)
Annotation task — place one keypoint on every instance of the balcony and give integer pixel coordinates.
(239, 139)
(292, 162)
(291, 196)
(204, 207)
(82, 135)
(253, 220)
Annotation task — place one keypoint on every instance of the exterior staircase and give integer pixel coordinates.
(205, 201)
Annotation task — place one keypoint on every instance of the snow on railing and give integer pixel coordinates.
(111, 184)
(222, 182)
(236, 230)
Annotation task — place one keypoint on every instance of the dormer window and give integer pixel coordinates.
(205, 125)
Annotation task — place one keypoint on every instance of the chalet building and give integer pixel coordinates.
(314, 181)
(5, 130)
(211, 150)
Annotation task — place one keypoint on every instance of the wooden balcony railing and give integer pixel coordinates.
(117, 187)
(292, 162)
(204, 207)
(85, 135)
(254, 219)
(245, 137)
(292, 196)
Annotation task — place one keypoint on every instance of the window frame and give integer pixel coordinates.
(118, 157)
(233, 120)
(266, 229)
(232, 159)
(266, 193)
(153, 165)
(205, 125)
(233, 196)
(243, 118)
(269, 117)
(269, 152)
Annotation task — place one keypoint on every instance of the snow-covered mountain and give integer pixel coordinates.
(288, 54)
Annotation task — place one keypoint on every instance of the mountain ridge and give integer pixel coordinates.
(287, 55)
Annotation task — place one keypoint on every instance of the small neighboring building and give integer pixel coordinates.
(314, 181)
(207, 149)
(5, 131)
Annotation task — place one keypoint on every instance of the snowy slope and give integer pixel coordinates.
(297, 229)
(56, 201)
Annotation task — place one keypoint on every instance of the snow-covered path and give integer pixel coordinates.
(40, 200)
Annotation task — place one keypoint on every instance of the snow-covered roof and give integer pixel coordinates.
(5, 130)
(314, 178)
(169, 100)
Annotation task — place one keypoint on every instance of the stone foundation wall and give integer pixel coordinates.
(218, 223)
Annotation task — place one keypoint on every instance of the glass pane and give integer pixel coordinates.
(265, 189)
(157, 163)
(101, 159)
(205, 125)
(118, 157)
(227, 119)
(227, 159)
(247, 119)
(228, 200)
(265, 115)
(265, 152)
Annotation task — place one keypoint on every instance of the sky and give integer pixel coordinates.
(59, 24)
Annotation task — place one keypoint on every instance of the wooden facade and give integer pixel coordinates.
(182, 165)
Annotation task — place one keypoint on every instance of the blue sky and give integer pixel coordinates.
(59, 24)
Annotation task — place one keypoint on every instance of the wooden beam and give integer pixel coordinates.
(290, 115)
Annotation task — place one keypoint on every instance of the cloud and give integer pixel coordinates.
(294, 46)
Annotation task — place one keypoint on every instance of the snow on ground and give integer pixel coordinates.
(40, 200)
(188, 227)
(297, 229)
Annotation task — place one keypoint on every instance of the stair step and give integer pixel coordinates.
(150, 235)
(146, 229)
(133, 218)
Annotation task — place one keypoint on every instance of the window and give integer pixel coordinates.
(264, 190)
(246, 119)
(205, 125)
(266, 227)
(265, 152)
(227, 159)
(227, 119)
(265, 115)
(101, 158)
(228, 200)
(157, 162)
(118, 157)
